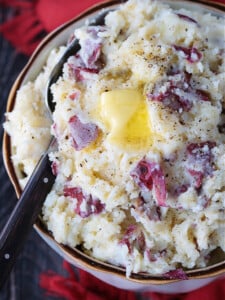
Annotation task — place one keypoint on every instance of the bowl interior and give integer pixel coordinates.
(29, 73)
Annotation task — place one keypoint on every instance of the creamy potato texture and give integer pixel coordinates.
(140, 126)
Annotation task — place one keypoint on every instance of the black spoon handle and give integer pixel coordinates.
(24, 216)
(29, 206)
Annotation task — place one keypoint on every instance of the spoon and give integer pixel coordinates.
(27, 209)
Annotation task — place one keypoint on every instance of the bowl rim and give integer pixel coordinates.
(81, 259)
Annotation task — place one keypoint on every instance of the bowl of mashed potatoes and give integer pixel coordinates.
(139, 120)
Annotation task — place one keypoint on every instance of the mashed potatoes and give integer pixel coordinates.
(140, 125)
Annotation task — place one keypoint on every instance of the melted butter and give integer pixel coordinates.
(126, 115)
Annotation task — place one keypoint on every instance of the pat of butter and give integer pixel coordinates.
(126, 115)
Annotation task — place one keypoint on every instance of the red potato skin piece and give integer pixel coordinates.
(82, 134)
(86, 204)
(150, 175)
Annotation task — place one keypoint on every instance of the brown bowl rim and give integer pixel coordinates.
(80, 258)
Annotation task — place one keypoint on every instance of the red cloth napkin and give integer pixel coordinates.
(87, 287)
(31, 21)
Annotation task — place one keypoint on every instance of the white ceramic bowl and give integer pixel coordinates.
(106, 272)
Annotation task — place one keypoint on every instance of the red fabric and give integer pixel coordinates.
(87, 287)
(212, 291)
(22, 29)
(60, 11)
